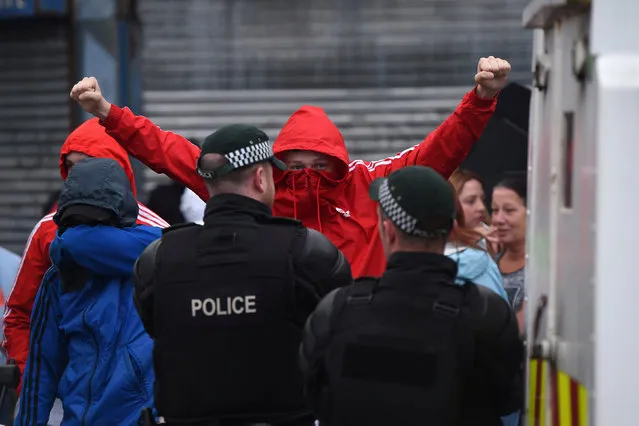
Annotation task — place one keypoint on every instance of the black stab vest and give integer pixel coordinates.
(226, 337)
(409, 347)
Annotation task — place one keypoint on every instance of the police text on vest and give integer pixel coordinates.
(220, 306)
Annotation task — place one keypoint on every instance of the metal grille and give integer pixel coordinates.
(273, 44)
(386, 71)
(34, 120)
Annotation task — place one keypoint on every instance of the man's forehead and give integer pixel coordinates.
(303, 155)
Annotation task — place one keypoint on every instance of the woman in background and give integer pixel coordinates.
(509, 223)
(476, 265)
(470, 191)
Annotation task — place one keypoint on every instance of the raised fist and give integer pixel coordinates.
(491, 77)
(87, 93)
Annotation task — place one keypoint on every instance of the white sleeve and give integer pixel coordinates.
(192, 207)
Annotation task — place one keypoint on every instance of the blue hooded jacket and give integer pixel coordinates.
(478, 267)
(88, 345)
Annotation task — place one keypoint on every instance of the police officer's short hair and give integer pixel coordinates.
(215, 161)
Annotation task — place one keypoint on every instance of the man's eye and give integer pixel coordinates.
(296, 167)
(319, 166)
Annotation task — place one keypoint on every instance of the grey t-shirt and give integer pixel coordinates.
(514, 286)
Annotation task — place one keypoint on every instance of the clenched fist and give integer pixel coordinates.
(491, 76)
(87, 93)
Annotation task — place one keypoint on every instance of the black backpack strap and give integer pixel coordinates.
(362, 291)
(450, 301)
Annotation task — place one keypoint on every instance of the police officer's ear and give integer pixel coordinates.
(388, 231)
(263, 177)
(260, 178)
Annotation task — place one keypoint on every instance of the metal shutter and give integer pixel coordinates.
(34, 121)
(371, 64)
(284, 44)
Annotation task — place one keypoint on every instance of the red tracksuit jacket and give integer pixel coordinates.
(341, 209)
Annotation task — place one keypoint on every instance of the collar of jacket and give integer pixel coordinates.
(422, 263)
(234, 203)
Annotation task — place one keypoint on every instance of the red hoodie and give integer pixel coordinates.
(90, 139)
(341, 209)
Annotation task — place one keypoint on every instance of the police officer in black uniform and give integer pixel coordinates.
(227, 302)
(413, 347)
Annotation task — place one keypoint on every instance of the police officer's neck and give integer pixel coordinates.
(241, 191)
(436, 247)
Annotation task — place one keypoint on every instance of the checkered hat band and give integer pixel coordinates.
(250, 154)
(394, 211)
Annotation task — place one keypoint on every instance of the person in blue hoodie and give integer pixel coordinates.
(88, 344)
(476, 265)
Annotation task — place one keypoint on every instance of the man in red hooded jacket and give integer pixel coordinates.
(88, 140)
(321, 187)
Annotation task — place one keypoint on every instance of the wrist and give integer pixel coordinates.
(485, 93)
(103, 110)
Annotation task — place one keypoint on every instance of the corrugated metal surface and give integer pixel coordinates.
(34, 120)
(240, 44)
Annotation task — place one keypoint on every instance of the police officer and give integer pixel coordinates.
(412, 347)
(226, 302)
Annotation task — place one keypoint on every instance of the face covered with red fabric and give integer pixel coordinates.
(310, 175)
(314, 151)
(310, 170)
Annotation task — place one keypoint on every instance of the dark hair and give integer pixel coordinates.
(516, 181)
(238, 176)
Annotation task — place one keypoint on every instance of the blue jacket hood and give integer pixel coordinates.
(476, 266)
(101, 183)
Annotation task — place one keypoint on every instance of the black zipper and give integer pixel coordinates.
(95, 366)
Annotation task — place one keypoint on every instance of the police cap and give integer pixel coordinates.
(242, 145)
(417, 199)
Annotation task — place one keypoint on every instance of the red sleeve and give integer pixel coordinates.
(446, 147)
(161, 151)
(34, 265)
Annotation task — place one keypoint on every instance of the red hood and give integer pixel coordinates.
(310, 129)
(91, 139)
